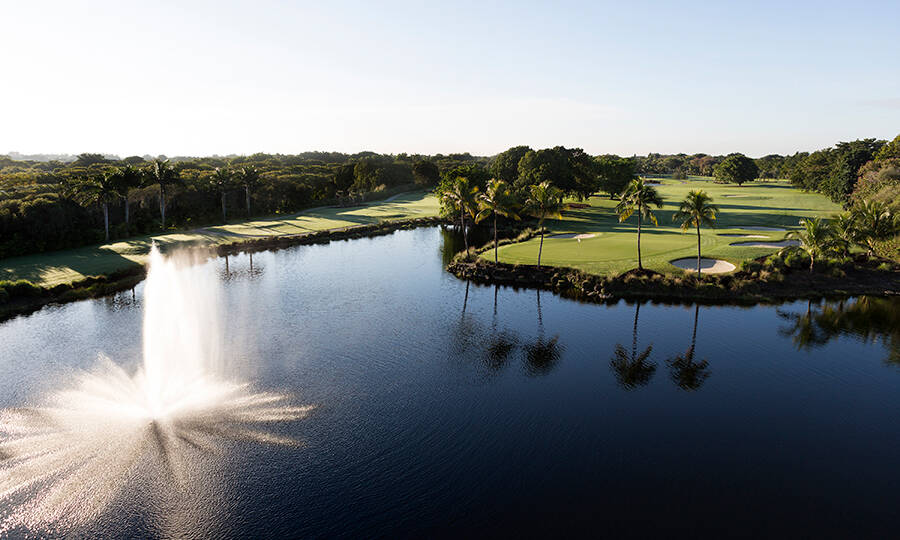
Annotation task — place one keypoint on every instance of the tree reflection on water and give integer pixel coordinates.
(871, 319)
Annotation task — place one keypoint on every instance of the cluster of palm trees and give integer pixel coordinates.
(696, 210)
(112, 184)
(542, 201)
(545, 201)
(865, 225)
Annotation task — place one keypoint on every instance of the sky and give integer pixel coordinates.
(203, 78)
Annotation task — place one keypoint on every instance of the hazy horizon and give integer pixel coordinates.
(198, 79)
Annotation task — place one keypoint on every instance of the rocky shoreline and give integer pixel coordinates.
(742, 287)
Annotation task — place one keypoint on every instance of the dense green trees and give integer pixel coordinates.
(736, 169)
(816, 238)
(614, 173)
(263, 184)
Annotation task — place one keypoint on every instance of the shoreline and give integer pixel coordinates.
(738, 288)
(35, 298)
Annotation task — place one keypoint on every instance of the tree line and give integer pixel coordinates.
(48, 205)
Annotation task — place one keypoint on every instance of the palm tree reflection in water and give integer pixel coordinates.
(632, 371)
(685, 372)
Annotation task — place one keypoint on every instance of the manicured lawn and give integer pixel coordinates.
(48, 269)
(614, 249)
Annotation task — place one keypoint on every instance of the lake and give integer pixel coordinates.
(449, 409)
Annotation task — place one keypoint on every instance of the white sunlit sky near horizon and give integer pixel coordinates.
(199, 78)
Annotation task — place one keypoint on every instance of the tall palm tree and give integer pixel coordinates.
(696, 209)
(462, 196)
(544, 201)
(99, 189)
(497, 200)
(632, 370)
(223, 180)
(163, 174)
(126, 178)
(249, 178)
(874, 222)
(685, 372)
(815, 238)
(639, 197)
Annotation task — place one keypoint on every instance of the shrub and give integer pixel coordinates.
(797, 259)
(750, 266)
(885, 267)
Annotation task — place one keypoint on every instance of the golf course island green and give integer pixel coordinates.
(752, 222)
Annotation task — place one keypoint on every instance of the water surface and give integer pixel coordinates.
(445, 408)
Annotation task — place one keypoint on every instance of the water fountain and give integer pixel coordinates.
(62, 463)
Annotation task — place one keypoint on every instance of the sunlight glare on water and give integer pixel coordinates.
(62, 463)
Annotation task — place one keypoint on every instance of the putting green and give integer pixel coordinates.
(750, 209)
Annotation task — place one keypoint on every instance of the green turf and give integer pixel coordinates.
(614, 249)
(48, 269)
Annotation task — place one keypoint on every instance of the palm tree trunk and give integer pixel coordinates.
(698, 248)
(637, 312)
(541, 247)
(162, 205)
(224, 216)
(495, 238)
(812, 260)
(247, 197)
(125, 198)
(462, 223)
(106, 219)
(694, 333)
(640, 266)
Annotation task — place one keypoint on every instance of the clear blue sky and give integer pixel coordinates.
(200, 78)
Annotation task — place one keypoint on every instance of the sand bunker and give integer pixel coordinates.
(744, 235)
(755, 228)
(707, 266)
(779, 244)
(573, 235)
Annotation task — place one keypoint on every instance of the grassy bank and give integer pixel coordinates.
(65, 267)
(613, 248)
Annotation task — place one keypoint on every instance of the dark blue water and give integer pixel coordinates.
(448, 409)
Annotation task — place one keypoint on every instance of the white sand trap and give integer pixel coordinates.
(739, 235)
(707, 266)
(779, 244)
(755, 228)
(582, 236)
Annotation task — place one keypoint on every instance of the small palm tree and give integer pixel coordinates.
(497, 200)
(815, 239)
(163, 174)
(844, 229)
(544, 201)
(639, 198)
(249, 178)
(223, 180)
(874, 222)
(696, 209)
(462, 196)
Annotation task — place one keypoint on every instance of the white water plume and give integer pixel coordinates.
(64, 462)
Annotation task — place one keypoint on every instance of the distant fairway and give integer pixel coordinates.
(614, 248)
(48, 269)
